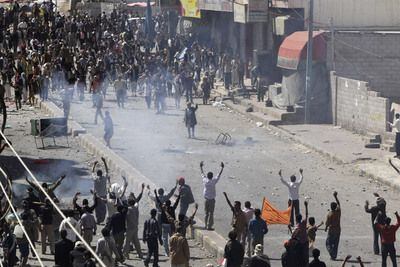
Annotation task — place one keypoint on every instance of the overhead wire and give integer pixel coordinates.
(53, 203)
(347, 61)
(357, 69)
(19, 220)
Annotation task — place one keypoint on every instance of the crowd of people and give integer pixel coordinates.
(114, 213)
(43, 51)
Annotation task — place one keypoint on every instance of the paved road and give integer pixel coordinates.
(158, 147)
(48, 164)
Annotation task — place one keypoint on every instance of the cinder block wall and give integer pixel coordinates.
(373, 57)
(357, 108)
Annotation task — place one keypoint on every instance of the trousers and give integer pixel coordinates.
(119, 241)
(98, 113)
(87, 235)
(166, 233)
(100, 210)
(47, 233)
(148, 101)
(189, 95)
(295, 209)
(376, 240)
(152, 250)
(209, 206)
(332, 244)
(183, 208)
(120, 99)
(190, 132)
(132, 237)
(388, 249)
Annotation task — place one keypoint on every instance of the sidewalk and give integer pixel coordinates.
(333, 142)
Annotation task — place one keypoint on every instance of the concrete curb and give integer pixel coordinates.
(284, 132)
(210, 240)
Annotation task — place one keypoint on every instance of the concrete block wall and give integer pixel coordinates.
(373, 57)
(358, 108)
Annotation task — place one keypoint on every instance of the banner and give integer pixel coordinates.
(273, 216)
(239, 13)
(216, 5)
(258, 11)
(190, 9)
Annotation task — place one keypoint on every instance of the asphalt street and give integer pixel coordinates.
(157, 145)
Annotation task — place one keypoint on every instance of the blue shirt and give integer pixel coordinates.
(258, 228)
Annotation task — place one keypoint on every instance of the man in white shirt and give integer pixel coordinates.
(293, 187)
(100, 188)
(249, 214)
(87, 225)
(209, 194)
(396, 126)
(115, 196)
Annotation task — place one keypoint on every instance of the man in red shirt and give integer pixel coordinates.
(388, 237)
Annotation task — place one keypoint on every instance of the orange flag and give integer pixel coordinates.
(273, 216)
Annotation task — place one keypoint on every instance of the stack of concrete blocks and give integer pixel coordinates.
(359, 109)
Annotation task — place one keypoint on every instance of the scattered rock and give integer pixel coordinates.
(259, 124)
(249, 109)
(248, 139)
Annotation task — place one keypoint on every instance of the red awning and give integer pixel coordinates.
(294, 49)
(140, 4)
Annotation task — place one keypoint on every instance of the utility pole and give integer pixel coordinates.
(332, 43)
(309, 61)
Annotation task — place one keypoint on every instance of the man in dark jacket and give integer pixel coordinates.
(206, 87)
(152, 234)
(117, 225)
(234, 251)
(190, 119)
(46, 228)
(62, 250)
(188, 84)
